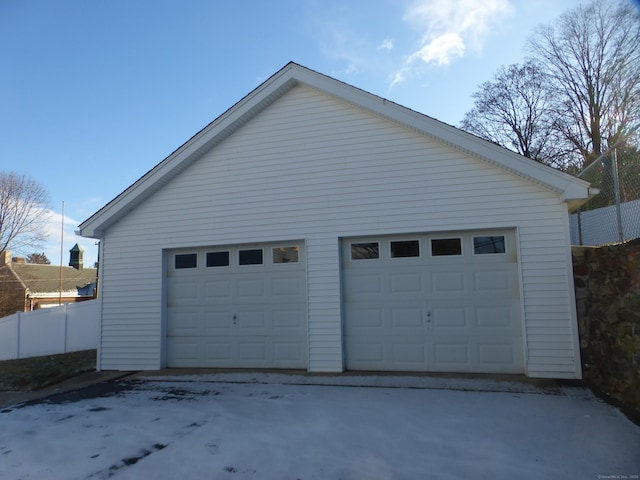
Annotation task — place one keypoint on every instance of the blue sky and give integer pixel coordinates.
(94, 94)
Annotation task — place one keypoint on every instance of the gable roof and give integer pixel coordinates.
(41, 279)
(572, 190)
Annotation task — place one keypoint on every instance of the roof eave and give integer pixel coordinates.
(574, 204)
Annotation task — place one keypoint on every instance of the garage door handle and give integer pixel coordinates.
(235, 317)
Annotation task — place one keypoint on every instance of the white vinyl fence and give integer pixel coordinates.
(606, 225)
(68, 328)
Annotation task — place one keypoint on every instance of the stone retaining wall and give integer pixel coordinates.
(607, 281)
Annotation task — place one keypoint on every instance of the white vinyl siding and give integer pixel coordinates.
(314, 168)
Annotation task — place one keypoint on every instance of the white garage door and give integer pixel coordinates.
(237, 307)
(438, 303)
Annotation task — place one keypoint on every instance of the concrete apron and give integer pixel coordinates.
(482, 383)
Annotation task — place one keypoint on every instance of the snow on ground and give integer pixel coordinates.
(204, 427)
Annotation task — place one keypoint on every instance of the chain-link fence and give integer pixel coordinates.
(613, 215)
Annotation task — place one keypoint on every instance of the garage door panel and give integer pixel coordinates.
(217, 321)
(366, 284)
(408, 353)
(491, 281)
(449, 317)
(367, 351)
(448, 282)
(223, 314)
(251, 321)
(254, 350)
(449, 313)
(496, 354)
(218, 289)
(285, 352)
(182, 293)
(404, 318)
(184, 322)
(451, 353)
(364, 318)
(251, 288)
(406, 284)
(495, 317)
(287, 319)
(184, 350)
(285, 287)
(220, 350)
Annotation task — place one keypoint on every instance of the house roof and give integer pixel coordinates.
(41, 279)
(572, 190)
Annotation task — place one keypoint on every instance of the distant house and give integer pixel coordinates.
(317, 226)
(26, 286)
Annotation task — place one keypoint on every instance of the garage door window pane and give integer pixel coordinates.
(489, 244)
(446, 246)
(250, 257)
(364, 251)
(285, 254)
(409, 248)
(217, 259)
(186, 260)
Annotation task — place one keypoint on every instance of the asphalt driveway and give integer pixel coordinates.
(265, 426)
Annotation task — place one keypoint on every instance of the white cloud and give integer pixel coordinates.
(398, 77)
(450, 29)
(441, 50)
(351, 69)
(387, 45)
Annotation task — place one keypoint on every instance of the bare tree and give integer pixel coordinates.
(513, 110)
(23, 213)
(592, 57)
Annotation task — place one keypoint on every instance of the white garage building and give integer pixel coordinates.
(316, 226)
